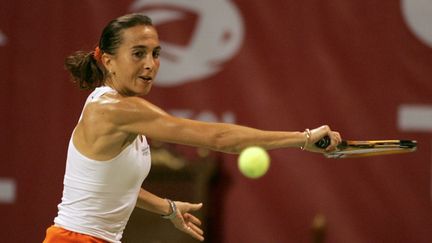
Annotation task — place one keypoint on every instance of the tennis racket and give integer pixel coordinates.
(355, 149)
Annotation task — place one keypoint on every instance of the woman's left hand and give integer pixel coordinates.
(186, 222)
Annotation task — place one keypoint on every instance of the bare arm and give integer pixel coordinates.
(137, 116)
(183, 220)
(150, 202)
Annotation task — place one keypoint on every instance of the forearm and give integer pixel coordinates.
(234, 138)
(150, 202)
(224, 137)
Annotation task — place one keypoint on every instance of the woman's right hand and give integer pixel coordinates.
(318, 133)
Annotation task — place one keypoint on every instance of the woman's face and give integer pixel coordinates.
(135, 65)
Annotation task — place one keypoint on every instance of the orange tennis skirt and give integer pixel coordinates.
(55, 234)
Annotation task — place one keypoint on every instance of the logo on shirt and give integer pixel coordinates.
(145, 150)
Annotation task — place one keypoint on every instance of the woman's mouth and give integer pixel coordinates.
(147, 79)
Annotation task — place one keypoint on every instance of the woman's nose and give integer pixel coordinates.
(149, 63)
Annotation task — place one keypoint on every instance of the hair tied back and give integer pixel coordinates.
(97, 54)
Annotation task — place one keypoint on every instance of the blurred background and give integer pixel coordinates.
(362, 67)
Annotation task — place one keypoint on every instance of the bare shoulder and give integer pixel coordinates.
(99, 109)
(119, 110)
(99, 135)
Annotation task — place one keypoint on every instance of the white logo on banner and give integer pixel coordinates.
(418, 16)
(413, 117)
(7, 190)
(217, 37)
(3, 39)
(206, 115)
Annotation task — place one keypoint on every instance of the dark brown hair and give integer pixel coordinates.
(83, 66)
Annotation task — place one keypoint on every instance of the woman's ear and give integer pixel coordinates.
(106, 60)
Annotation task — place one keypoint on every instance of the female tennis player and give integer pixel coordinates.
(108, 156)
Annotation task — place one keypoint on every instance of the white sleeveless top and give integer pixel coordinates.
(99, 196)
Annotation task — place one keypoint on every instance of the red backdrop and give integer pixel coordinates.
(280, 65)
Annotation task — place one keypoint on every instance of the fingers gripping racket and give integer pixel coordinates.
(355, 149)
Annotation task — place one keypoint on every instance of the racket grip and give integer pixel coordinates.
(323, 143)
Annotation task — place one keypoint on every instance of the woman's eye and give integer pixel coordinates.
(138, 54)
(156, 54)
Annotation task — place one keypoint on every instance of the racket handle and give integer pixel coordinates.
(323, 143)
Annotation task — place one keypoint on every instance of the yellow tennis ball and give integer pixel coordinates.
(253, 162)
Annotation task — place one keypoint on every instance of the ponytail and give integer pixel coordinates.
(84, 70)
(85, 67)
